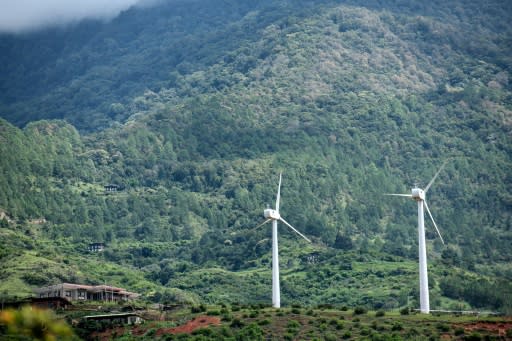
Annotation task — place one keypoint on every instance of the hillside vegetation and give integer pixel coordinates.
(193, 109)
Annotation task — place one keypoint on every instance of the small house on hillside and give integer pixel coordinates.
(96, 247)
(38, 221)
(120, 318)
(111, 188)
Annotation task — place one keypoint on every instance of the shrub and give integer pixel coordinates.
(197, 309)
(203, 331)
(150, 333)
(473, 337)
(264, 322)
(404, 311)
(347, 335)
(397, 326)
(380, 313)
(227, 317)
(237, 323)
(325, 306)
(225, 332)
(459, 331)
(330, 337)
(360, 310)
(293, 324)
(251, 332)
(413, 332)
(443, 327)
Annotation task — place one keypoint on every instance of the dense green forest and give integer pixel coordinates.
(193, 108)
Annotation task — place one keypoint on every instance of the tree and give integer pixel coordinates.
(343, 242)
(450, 256)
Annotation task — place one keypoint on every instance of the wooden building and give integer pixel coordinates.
(120, 318)
(80, 292)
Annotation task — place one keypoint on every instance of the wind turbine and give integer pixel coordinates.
(274, 216)
(418, 195)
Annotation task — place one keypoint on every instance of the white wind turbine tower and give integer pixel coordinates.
(274, 216)
(418, 195)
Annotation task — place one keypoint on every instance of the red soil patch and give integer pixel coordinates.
(499, 328)
(190, 326)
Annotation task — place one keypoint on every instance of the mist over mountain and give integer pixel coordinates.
(29, 16)
(192, 109)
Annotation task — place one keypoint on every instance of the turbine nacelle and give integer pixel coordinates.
(271, 214)
(417, 194)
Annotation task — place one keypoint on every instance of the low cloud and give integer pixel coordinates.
(30, 15)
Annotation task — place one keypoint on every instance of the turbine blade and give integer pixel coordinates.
(260, 225)
(294, 229)
(261, 241)
(435, 176)
(432, 218)
(399, 195)
(278, 194)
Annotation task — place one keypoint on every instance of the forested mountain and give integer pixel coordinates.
(192, 108)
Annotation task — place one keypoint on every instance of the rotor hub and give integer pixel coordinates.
(418, 194)
(271, 214)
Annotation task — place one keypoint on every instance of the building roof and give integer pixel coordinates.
(90, 288)
(106, 316)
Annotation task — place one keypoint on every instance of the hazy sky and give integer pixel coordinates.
(26, 15)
